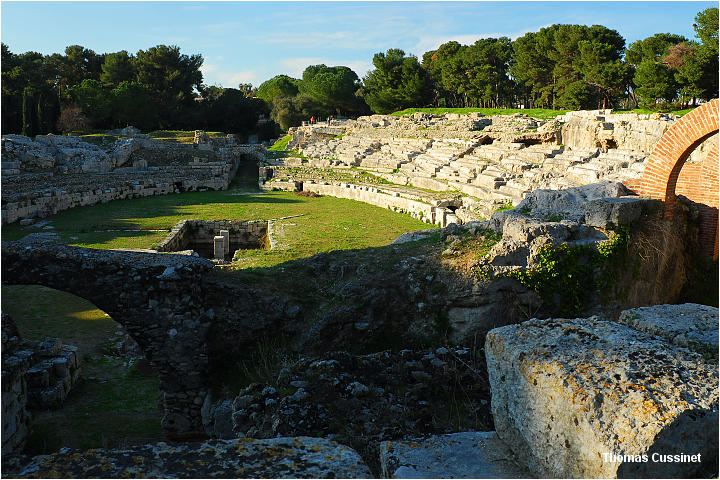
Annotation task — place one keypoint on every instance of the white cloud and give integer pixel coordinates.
(295, 66)
(433, 42)
(314, 39)
(214, 75)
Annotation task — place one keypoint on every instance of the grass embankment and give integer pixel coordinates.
(176, 136)
(278, 149)
(532, 112)
(542, 113)
(114, 404)
(280, 144)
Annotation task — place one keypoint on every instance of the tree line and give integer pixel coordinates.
(558, 67)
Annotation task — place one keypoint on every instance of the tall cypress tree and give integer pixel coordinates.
(28, 113)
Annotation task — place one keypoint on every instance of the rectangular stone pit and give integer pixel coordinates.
(200, 235)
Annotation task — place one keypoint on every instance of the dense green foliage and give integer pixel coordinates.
(397, 82)
(81, 90)
(558, 67)
(566, 277)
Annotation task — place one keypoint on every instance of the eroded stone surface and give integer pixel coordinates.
(687, 325)
(457, 455)
(565, 392)
(298, 457)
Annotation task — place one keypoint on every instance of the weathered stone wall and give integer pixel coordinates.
(604, 129)
(157, 298)
(15, 415)
(37, 189)
(423, 211)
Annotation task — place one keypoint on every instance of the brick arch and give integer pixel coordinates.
(698, 183)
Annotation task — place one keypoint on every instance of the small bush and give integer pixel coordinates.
(308, 194)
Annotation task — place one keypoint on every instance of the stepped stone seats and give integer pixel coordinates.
(10, 168)
(496, 150)
(493, 176)
(380, 161)
(515, 164)
(500, 158)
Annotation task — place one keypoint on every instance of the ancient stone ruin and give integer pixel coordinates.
(216, 239)
(484, 376)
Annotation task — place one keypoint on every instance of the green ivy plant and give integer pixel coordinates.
(565, 276)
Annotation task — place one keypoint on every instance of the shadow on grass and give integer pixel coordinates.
(167, 209)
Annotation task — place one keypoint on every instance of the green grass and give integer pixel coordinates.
(649, 111)
(324, 224)
(531, 112)
(542, 113)
(180, 136)
(118, 406)
(280, 144)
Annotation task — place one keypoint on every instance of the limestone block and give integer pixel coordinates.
(456, 455)
(585, 397)
(606, 212)
(687, 325)
(50, 347)
(284, 457)
(219, 247)
(226, 240)
(570, 203)
(37, 377)
(60, 367)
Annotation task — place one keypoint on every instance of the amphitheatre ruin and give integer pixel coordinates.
(556, 315)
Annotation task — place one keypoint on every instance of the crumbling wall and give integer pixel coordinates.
(15, 415)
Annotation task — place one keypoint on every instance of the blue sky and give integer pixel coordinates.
(253, 41)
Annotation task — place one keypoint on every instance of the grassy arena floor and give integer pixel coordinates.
(316, 224)
(116, 404)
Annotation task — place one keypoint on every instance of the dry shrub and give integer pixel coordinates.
(655, 270)
(73, 119)
(308, 194)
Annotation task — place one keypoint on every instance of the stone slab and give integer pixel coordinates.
(688, 325)
(285, 457)
(607, 212)
(571, 397)
(456, 455)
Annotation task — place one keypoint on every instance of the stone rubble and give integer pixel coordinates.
(455, 455)
(361, 400)
(54, 370)
(298, 457)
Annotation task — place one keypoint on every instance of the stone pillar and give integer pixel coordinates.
(226, 242)
(219, 247)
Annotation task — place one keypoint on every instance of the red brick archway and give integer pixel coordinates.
(666, 172)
